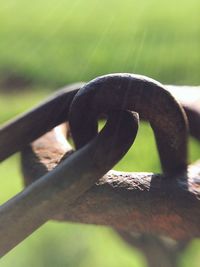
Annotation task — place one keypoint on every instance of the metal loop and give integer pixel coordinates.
(119, 194)
(140, 94)
(135, 202)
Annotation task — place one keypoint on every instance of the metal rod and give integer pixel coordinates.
(28, 210)
(22, 130)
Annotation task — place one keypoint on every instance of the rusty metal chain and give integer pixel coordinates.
(131, 202)
(139, 94)
(28, 210)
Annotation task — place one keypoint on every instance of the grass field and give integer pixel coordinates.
(57, 42)
(47, 44)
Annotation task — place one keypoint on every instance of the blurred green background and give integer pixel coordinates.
(45, 45)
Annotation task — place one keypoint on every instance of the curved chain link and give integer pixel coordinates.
(140, 94)
(133, 202)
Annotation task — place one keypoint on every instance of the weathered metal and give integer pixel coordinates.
(135, 202)
(145, 203)
(114, 202)
(140, 94)
(28, 210)
(27, 127)
(50, 113)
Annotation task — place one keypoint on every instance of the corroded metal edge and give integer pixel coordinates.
(135, 202)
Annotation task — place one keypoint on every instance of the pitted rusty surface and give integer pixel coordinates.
(161, 204)
(47, 156)
(128, 180)
(124, 200)
(140, 202)
(44, 197)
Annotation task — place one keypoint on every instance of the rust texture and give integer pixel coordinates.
(76, 186)
(140, 94)
(40, 201)
(136, 202)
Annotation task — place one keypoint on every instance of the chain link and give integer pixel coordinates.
(77, 187)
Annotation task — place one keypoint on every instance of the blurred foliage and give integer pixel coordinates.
(56, 42)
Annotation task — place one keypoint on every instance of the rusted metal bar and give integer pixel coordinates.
(152, 101)
(30, 125)
(24, 129)
(118, 187)
(135, 202)
(107, 207)
(153, 205)
(112, 207)
(24, 213)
